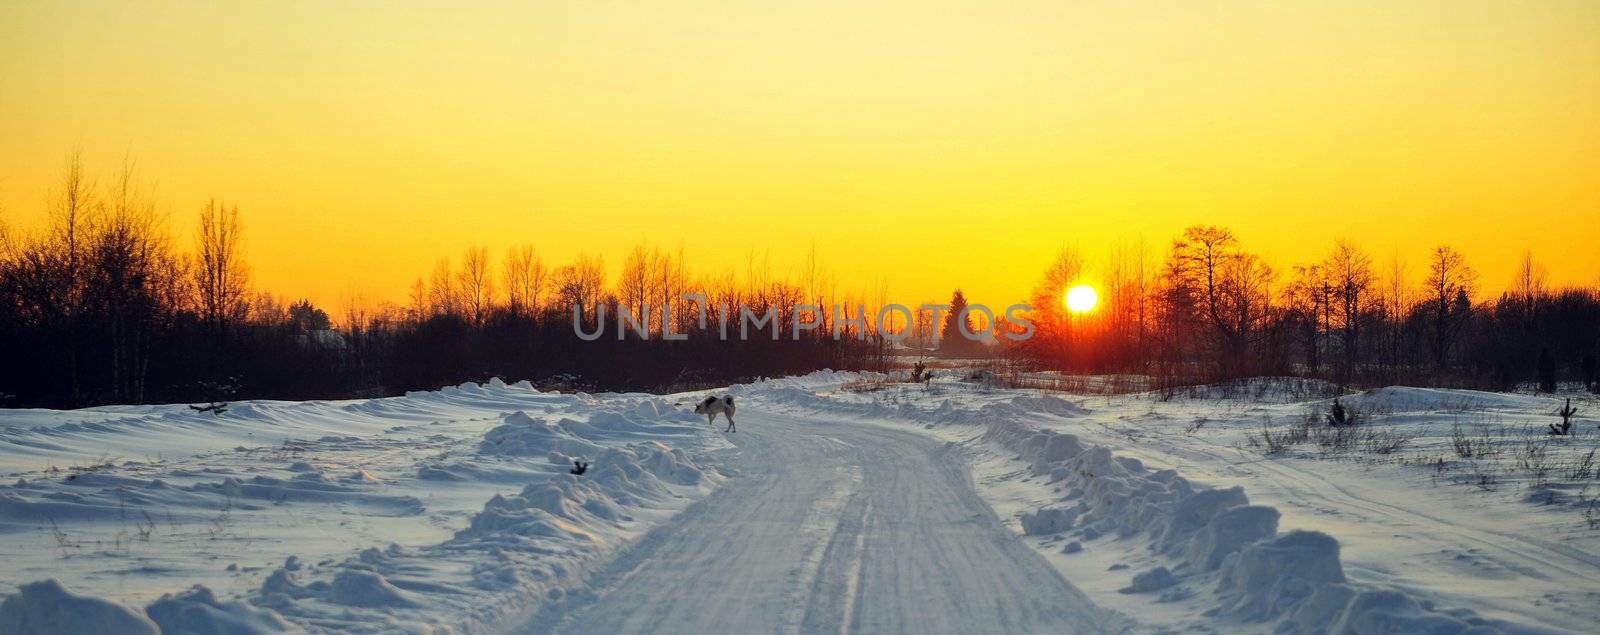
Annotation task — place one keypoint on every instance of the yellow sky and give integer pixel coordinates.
(928, 144)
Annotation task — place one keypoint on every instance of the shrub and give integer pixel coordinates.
(1477, 446)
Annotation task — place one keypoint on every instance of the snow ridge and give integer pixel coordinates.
(1215, 537)
(533, 544)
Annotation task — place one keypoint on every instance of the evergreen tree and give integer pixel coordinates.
(954, 341)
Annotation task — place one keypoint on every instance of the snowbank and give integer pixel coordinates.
(46, 607)
(1410, 399)
(1215, 540)
(198, 611)
(519, 548)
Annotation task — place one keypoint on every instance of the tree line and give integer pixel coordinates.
(1209, 309)
(102, 306)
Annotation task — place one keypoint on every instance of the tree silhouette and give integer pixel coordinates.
(1547, 371)
(221, 274)
(953, 341)
(1449, 285)
(100, 306)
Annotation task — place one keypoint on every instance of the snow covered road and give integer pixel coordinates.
(831, 526)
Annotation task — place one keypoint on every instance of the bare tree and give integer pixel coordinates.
(1450, 284)
(538, 279)
(653, 281)
(69, 216)
(1247, 293)
(1529, 283)
(1397, 304)
(131, 280)
(1303, 301)
(582, 284)
(815, 287)
(1228, 288)
(724, 296)
(267, 310)
(1528, 287)
(358, 315)
(924, 331)
(443, 296)
(476, 285)
(419, 301)
(48, 278)
(525, 279)
(1349, 270)
(1127, 285)
(670, 280)
(220, 274)
(636, 286)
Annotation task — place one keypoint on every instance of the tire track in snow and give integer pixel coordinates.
(853, 575)
(901, 542)
(819, 528)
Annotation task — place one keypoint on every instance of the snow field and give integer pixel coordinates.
(378, 524)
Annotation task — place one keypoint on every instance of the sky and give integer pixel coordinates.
(921, 145)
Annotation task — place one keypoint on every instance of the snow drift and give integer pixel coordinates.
(529, 545)
(1217, 541)
(45, 607)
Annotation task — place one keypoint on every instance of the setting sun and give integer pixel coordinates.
(1081, 298)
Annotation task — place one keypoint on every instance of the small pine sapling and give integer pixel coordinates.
(1565, 413)
(919, 373)
(219, 393)
(1337, 417)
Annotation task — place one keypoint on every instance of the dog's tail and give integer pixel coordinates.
(728, 400)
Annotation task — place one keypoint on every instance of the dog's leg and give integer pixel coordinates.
(731, 427)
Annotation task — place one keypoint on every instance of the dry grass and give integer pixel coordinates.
(868, 385)
(1476, 446)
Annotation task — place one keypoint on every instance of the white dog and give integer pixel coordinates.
(712, 406)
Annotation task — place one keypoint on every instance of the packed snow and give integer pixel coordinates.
(845, 502)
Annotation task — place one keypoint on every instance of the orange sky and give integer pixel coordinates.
(927, 144)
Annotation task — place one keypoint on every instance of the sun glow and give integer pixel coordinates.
(363, 150)
(1081, 299)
